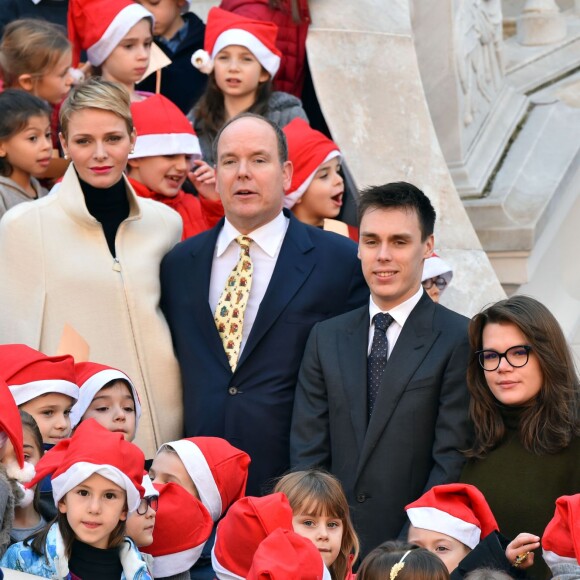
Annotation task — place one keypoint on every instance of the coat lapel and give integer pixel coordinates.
(199, 279)
(294, 265)
(412, 346)
(352, 352)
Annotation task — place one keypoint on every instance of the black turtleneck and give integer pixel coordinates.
(91, 563)
(110, 206)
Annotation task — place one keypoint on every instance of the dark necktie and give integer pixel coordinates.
(377, 360)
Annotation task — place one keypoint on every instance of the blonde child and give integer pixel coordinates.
(241, 59)
(316, 193)
(108, 396)
(27, 517)
(117, 37)
(25, 147)
(96, 477)
(455, 522)
(399, 561)
(321, 514)
(166, 153)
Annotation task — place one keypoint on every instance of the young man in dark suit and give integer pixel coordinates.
(239, 335)
(382, 398)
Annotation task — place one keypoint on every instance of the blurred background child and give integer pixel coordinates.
(25, 147)
(108, 396)
(437, 274)
(241, 59)
(178, 32)
(321, 514)
(166, 153)
(117, 36)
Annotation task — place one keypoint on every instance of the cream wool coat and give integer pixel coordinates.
(56, 268)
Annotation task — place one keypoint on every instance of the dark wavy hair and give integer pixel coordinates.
(210, 109)
(550, 421)
(419, 563)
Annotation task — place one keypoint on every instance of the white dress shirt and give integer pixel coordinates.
(264, 250)
(400, 313)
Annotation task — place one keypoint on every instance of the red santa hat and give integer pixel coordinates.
(182, 527)
(30, 373)
(225, 28)
(91, 378)
(284, 555)
(11, 430)
(92, 449)
(162, 129)
(218, 470)
(308, 150)
(435, 266)
(561, 539)
(97, 26)
(240, 532)
(458, 510)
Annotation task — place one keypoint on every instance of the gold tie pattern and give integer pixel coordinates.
(231, 307)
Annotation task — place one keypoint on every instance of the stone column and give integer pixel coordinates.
(541, 22)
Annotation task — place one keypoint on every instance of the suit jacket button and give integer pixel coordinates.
(233, 390)
(361, 498)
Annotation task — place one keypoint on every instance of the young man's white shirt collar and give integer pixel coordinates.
(400, 313)
(267, 241)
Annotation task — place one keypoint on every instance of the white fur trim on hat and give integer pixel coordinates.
(121, 24)
(200, 472)
(24, 393)
(290, 199)
(237, 36)
(221, 572)
(166, 144)
(436, 266)
(148, 486)
(82, 470)
(22, 474)
(429, 518)
(202, 61)
(92, 386)
(553, 559)
(176, 563)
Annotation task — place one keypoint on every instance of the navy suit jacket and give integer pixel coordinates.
(317, 276)
(419, 422)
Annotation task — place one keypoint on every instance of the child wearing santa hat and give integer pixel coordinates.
(241, 59)
(44, 386)
(108, 396)
(14, 470)
(561, 539)
(455, 522)
(437, 274)
(141, 522)
(248, 522)
(96, 481)
(166, 153)
(117, 37)
(317, 189)
(182, 527)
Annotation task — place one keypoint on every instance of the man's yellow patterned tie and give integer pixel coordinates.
(229, 313)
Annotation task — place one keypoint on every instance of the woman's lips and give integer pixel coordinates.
(103, 169)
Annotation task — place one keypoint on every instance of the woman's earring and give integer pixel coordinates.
(66, 155)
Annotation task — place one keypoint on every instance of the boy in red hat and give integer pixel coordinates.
(166, 152)
(455, 522)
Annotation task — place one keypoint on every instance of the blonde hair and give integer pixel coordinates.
(318, 493)
(31, 46)
(97, 93)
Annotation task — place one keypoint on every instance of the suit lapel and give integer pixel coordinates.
(199, 279)
(412, 346)
(352, 352)
(294, 265)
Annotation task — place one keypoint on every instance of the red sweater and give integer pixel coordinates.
(198, 214)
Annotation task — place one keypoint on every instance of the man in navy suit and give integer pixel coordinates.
(301, 275)
(382, 398)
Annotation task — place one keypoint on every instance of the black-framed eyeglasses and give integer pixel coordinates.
(517, 356)
(439, 281)
(151, 501)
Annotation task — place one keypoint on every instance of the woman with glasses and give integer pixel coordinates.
(437, 274)
(525, 410)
